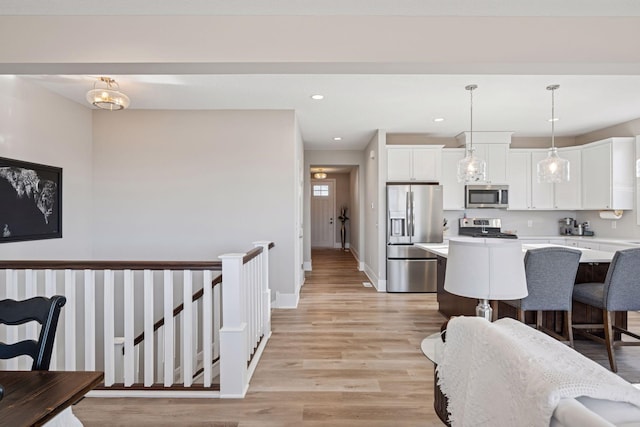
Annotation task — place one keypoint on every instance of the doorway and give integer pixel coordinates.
(323, 207)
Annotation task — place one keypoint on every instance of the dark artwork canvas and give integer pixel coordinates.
(30, 201)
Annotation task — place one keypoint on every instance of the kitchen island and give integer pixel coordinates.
(593, 268)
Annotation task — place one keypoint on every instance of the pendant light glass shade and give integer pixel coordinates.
(106, 95)
(471, 168)
(553, 169)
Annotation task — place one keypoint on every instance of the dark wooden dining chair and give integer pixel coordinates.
(551, 273)
(42, 310)
(619, 292)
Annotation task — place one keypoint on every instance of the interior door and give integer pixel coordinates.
(323, 207)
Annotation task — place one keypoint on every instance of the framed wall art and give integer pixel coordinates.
(30, 201)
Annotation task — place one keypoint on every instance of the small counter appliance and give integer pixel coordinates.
(566, 226)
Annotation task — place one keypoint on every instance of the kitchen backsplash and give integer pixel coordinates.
(523, 223)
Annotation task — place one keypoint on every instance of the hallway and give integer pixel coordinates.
(347, 356)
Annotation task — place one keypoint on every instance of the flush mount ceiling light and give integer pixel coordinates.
(337, 138)
(319, 175)
(553, 169)
(317, 97)
(471, 168)
(106, 95)
(438, 119)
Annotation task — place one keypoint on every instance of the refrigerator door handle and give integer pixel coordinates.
(407, 214)
(412, 233)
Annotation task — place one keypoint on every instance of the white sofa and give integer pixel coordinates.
(508, 374)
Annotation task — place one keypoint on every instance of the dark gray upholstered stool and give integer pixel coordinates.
(619, 292)
(551, 273)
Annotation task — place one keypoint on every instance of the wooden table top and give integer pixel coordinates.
(35, 397)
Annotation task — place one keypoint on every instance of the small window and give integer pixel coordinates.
(320, 190)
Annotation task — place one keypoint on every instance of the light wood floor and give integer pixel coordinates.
(347, 356)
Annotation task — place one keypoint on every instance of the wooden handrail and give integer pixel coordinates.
(176, 311)
(112, 265)
(251, 254)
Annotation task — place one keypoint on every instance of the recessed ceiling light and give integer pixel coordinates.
(317, 97)
(438, 119)
(553, 119)
(337, 138)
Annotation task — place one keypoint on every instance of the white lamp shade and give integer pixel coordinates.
(490, 269)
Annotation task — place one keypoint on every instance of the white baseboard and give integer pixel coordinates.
(286, 300)
(338, 245)
(306, 266)
(382, 286)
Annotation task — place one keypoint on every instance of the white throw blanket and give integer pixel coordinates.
(508, 374)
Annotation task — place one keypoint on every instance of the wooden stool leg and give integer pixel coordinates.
(608, 338)
(569, 327)
(539, 319)
(521, 315)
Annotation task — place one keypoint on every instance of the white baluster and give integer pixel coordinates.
(217, 319)
(207, 319)
(89, 320)
(148, 329)
(129, 356)
(109, 329)
(31, 328)
(187, 337)
(265, 290)
(168, 329)
(70, 320)
(12, 332)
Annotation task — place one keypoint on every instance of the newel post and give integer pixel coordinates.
(266, 290)
(233, 334)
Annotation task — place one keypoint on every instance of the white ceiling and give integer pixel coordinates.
(355, 105)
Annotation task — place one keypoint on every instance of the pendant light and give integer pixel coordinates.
(471, 168)
(106, 95)
(553, 169)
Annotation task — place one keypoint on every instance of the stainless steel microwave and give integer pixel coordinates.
(486, 196)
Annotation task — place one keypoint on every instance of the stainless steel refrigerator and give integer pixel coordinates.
(414, 215)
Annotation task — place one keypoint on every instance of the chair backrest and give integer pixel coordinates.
(622, 284)
(42, 310)
(551, 274)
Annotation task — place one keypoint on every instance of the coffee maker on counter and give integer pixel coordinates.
(567, 226)
(571, 227)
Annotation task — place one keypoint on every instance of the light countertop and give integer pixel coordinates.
(588, 255)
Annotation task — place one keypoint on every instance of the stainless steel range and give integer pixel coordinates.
(483, 227)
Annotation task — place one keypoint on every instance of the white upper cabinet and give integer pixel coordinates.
(493, 148)
(452, 190)
(608, 174)
(525, 192)
(519, 179)
(541, 192)
(568, 195)
(414, 163)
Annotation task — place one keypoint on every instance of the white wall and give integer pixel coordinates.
(354, 215)
(41, 127)
(191, 185)
(374, 210)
